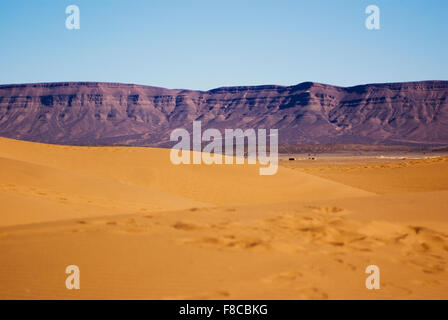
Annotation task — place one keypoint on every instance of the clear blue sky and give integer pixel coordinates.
(203, 44)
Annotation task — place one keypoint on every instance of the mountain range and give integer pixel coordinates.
(96, 113)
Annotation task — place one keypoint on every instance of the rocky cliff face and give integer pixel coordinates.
(121, 114)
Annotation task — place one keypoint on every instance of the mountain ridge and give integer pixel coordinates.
(107, 113)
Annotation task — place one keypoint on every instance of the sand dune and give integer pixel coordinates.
(383, 177)
(151, 169)
(39, 193)
(140, 227)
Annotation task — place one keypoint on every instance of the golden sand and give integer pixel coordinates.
(139, 227)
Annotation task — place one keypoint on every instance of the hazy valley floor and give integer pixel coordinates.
(140, 227)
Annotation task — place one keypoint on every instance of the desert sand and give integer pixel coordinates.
(140, 227)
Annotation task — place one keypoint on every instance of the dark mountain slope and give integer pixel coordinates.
(122, 114)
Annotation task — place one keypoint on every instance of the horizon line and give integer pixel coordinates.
(266, 86)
